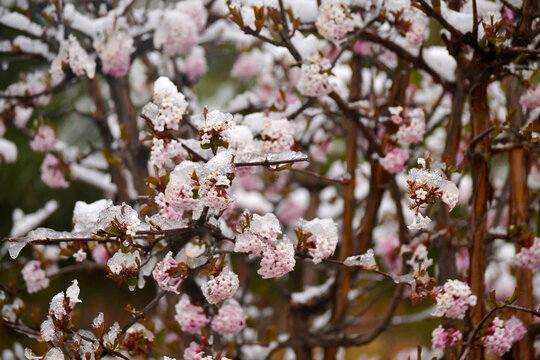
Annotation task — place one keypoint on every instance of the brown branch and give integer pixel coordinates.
(141, 314)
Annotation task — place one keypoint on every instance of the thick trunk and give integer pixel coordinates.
(518, 160)
(101, 114)
(347, 240)
(136, 156)
(482, 194)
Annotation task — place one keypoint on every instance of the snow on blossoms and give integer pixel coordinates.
(412, 125)
(221, 287)
(314, 78)
(334, 21)
(178, 30)
(122, 217)
(454, 299)
(502, 334)
(230, 319)
(59, 313)
(34, 277)
(530, 257)
(321, 238)
(426, 184)
(72, 55)
(114, 49)
(168, 106)
(260, 238)
(44, 140)
(190, 317)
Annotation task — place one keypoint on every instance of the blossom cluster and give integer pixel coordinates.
(441, 337)
(72, 54)
(529, 257)
(322, 240)
(454, 299)
(333, 21)
(260, 238)
(502, 335)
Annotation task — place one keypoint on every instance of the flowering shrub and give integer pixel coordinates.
(266, 173)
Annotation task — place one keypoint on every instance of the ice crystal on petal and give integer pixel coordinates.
(98, 321)
(230, 319)
(124, 214)
(72, 293)
(111, 337)
(454, 299)
(54, 354)
(420, 222)
(365, 261)
(121, 261)
(221, 287)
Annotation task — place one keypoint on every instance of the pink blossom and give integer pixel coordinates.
(221, 287)
(508, 14)
(167, 275)
(320, 146)
(80, 255)
(195, 64)
(193, 351)
(530, 257)
(247, 66)
(176, 33)
(462, 261)
(414, 127)
(501, 335)
(277, 260)
(100, 254)
(114, 50)
(313, 80)
(190, 317)
(362, 47)
(230, 319)
(531, 99)
(277, 135)
(34, 277)
(44, 140)
(387, 247)
(454, 300)
(334, 22)
(394, 161)
(52, 174)
(439, 338)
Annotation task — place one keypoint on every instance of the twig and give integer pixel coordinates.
(145, 310)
